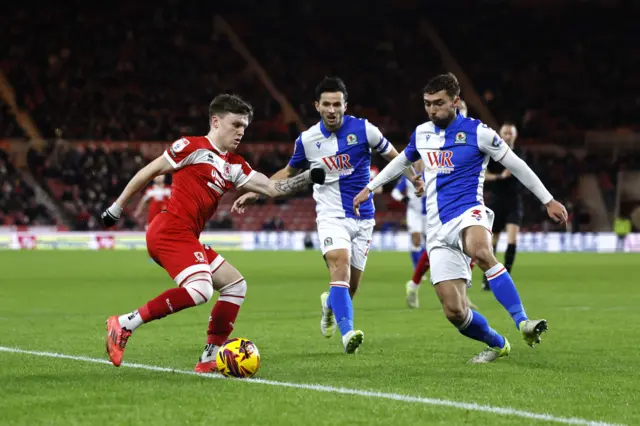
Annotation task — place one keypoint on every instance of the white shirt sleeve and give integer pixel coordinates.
(376, 139)
(526, 176)
(181, 153)
(491, 143)
(395, 168)
(241, 172)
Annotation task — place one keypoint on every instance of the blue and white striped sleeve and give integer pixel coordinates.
(376, 139)
(299, 157)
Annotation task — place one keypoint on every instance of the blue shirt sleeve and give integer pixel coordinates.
(299, 158)
(402, 184)
(411, 151)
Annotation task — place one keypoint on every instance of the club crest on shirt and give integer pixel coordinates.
(352, 139)
(226, 171)
(461, 137)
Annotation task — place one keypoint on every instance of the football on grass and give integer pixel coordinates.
(238, 358)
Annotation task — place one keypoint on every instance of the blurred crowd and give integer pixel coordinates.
(152, 78)
(100, 72)
(86, 179)
(18, 204)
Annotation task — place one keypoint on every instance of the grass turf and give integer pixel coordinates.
(587, 366)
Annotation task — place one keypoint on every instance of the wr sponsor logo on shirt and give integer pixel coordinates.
(338, 163)
(440, 161)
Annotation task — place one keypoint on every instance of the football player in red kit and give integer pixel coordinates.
(204, 168)
(156, 197)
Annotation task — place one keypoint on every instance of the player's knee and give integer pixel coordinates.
(234, 292)
(339, 267)
(455, 312)
(416, 239)
(200, 287)
(484, 257)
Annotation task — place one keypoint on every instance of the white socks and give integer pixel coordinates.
(130, 321)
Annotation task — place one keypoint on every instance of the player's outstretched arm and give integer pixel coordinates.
(393, 170)
(245, 200)
(282, 187)
(528, 178)
(157, 167)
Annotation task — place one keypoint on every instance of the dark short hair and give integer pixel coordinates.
(229, 104)
(447, 82)
(331, 84)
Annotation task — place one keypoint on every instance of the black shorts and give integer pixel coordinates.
(506, 212)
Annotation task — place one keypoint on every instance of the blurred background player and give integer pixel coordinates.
(505, 200)
(405, 192)
(373, 172)
(156, 197)
(205, 168)
(463, 108)
(341, 145)
(416, 218)
(455, 151)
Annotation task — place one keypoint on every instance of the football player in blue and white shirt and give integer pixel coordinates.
(416, 215)
(455, 151)
(341, 145)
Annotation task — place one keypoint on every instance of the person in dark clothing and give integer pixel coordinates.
(505, 201)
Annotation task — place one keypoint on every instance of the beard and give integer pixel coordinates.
(443, 122)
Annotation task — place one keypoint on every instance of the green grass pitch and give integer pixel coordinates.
(587, 367)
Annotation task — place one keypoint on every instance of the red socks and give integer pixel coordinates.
(421, 268)
(223, 315)
(169, 302)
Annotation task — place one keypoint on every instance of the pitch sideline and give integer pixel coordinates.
(502, 411)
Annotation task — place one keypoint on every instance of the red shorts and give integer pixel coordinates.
(177, 249)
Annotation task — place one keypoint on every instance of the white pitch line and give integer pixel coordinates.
(503, 411)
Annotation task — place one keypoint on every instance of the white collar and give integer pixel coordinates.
(215, 147)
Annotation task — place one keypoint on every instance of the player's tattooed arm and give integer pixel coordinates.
(248, 197)
(291, 185)
(279, 188)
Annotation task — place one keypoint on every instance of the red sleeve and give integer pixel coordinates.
(179, 153)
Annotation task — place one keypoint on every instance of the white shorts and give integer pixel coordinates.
(415, 222)
(444, 244)
(347, 233)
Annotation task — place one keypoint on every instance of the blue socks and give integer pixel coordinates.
(416, 252)
(505, 292)
(340, 303)
(476, 327)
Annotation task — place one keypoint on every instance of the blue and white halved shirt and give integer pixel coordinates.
(455, 162)
(346, 157)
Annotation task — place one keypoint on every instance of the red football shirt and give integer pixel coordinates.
(203, 175)
(158, 196)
